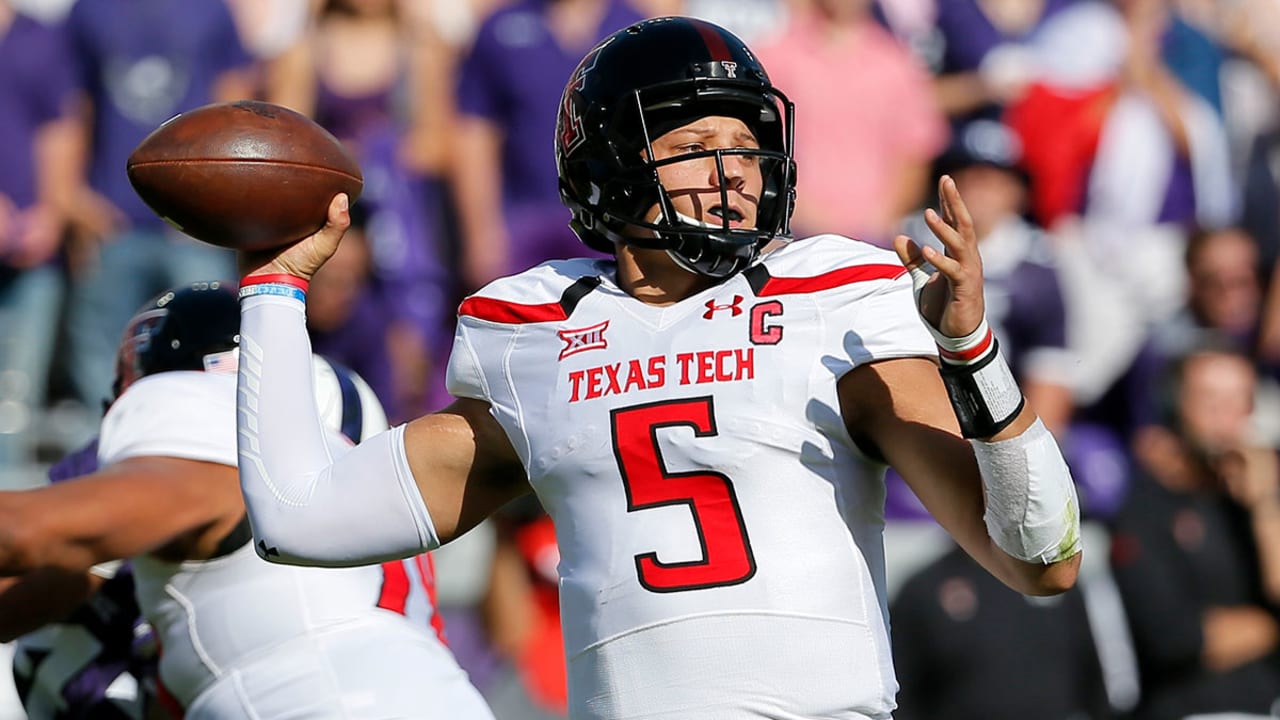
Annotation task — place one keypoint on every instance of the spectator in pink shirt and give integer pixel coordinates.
(871, 125)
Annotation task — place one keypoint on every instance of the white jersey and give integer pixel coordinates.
(241, 637)
(720, 533)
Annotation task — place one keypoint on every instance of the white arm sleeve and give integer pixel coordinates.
(1032, 510)
(307, 504)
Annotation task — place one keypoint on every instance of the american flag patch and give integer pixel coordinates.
(227, 361)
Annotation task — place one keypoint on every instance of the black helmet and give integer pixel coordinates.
(181, 329)
(636, 85)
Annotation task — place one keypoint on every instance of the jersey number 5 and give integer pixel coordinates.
(726, 550)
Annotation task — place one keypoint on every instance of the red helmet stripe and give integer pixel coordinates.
(715, 43)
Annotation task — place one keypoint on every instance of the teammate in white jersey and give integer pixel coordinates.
(706, 418)
(239, 637)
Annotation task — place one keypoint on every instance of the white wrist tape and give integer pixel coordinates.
(307, 504)
(962, 350)
(1032, 510)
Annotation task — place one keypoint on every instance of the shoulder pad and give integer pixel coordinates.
(187, 414)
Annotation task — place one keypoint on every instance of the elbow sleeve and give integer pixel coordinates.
(1032, 511)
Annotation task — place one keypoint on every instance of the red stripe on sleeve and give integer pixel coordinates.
(395, 587)
(833, 279)
(427, 570)
(501, 311)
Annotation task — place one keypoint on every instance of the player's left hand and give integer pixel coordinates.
(948, 286)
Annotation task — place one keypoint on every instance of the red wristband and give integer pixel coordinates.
(969, 354)
(276, 279)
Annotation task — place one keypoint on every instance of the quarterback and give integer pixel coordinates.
(706, 417)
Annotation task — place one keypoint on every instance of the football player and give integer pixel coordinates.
(238, 637)
(706, 422)
(82, 648)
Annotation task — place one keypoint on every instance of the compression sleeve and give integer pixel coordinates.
(308, 505)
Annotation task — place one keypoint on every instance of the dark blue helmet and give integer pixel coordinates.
(638, 84)
(188, 328)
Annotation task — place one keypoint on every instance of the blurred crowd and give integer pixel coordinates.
(1120, 158)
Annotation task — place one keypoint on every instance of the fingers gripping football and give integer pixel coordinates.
(304, 257)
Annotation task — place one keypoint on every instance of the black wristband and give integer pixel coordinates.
(984, 395)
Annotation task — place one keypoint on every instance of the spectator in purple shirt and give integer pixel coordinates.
(509, 89)
(140, 62)
(411, 277)
(351, 71)
(36, 92)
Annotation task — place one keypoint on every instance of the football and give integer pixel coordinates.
(244, 175)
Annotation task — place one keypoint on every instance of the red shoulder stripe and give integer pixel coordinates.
(501, 311)
(827, 281)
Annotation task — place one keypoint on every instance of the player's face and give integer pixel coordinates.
(694, 185)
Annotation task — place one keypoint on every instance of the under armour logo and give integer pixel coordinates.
(266, 551)
(588, 338)
(731, 68)
(734, 307)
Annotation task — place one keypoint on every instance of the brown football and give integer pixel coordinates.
(244, 175)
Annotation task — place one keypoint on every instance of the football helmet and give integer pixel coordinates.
(191, 328)
(633, 87)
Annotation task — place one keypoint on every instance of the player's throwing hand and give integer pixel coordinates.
(304, 257)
